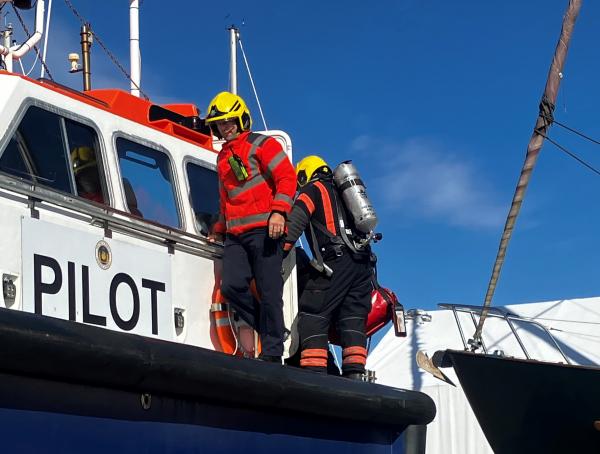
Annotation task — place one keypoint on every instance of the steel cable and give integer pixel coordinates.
(575, 131)
(105, 49)
(35, 47)
(571, 154)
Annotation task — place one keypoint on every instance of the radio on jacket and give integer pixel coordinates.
(238, 168)
(354, 194)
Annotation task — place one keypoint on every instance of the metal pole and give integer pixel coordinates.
(7, 38)
(86, 44)
(542, 124)
(134, 47)
(233, 37)
(43, 71)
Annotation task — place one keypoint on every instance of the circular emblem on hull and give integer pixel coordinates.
(103, 255)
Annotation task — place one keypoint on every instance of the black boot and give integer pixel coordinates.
(270, 359)
(355, 376)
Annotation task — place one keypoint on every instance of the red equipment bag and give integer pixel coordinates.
(385, 307)
(382, 302)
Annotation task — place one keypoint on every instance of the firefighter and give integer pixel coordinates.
(86, 173)
(257, 184)
(340, 284)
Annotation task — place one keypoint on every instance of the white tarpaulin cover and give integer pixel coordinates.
(575, 324)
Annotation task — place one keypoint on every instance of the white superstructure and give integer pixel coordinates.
(140, 262)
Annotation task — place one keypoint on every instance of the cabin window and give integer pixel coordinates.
(204, 195)
(37, 152)
(83, 151)
(148, 183)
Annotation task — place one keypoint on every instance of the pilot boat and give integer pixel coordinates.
(112, 331)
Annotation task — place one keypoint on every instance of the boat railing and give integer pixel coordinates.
(500, 313)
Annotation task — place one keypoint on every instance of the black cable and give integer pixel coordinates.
(568, 128)
(106, 50)
(571, 154)
(35, 47)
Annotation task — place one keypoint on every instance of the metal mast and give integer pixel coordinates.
(135, 57)
(233, 38)
(86, 44)
(542, 124)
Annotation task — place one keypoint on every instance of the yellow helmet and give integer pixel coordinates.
(308, 167)
(227, 106)
(82, 158)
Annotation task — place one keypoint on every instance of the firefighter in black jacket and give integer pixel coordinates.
(339, 288)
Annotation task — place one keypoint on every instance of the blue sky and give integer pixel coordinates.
(434, 101)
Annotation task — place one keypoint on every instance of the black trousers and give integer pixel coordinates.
(254, 255)
(343, 299)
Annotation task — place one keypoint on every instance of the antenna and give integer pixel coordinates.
(234, 35)
(86, 44)
(234, 40)
(43, 70)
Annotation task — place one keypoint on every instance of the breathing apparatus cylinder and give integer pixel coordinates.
(354, 194)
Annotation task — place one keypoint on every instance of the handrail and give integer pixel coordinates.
(504, 314)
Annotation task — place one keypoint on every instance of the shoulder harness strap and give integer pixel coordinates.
(343, 236)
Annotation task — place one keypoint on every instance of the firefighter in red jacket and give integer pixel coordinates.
(339, 287)
(257, 184)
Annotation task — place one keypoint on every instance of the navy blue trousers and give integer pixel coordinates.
(254, 255)
(344, 299)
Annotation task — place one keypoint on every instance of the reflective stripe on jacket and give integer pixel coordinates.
(270, 186)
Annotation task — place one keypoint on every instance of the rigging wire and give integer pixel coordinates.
(37, 57)
(37, 54)
(575, 333)
(579, 133)
(252, 82)
(105, 49)
(35, 47)
(534, 147)
(570, 153)
(564, 320)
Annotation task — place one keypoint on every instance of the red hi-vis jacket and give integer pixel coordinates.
(270, 186)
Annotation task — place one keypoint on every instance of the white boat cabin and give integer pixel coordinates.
(133, 256)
